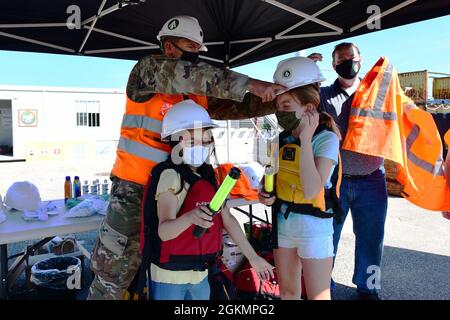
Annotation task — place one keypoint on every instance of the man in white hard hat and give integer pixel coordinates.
(156, 83)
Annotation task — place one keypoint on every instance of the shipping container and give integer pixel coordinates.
(441, 88)
(415, 85)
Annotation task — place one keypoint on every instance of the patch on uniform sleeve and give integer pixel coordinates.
(289, 154)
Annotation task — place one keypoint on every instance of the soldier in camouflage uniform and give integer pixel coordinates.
(116, 255)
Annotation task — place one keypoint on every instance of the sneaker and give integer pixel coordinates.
(368, 295)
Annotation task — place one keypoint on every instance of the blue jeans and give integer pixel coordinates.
(367, 199)
(168, 291)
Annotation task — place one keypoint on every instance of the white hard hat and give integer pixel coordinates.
(183, 27)
(297, 72)
(254, 173)
(23, 196)
(185, 115)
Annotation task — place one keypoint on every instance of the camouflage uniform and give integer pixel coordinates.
(116, 256)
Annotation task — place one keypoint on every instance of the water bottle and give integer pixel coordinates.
(86, 188)
(76, 187)
(105, 187)
(94, 188)
(67, 189)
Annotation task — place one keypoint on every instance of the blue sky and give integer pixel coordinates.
(418, 46)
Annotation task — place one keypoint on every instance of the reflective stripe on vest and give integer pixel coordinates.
(434, 169)
(142, 150)
(140, 147)
(377, 111)
(134, 121)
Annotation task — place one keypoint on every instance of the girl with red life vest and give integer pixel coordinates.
(306, 184)
(176, 199)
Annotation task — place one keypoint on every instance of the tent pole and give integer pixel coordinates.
(104, 13)
(45, 44)
(121, 49)
(116, 35)
(211, 59)
(249, 40)
(303, 15)
(92, 25)
(251, 50)
(32, 25)
(306, 20)
(309, 35)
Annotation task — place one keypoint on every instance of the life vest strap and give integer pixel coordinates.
(331, 202)
(304, 208)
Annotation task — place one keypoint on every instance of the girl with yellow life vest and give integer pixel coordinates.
(175, 202)
(306, 183)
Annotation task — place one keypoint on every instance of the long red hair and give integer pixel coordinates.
(310, 94)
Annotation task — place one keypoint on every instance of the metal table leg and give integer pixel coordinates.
(3, 271)
(250, 212)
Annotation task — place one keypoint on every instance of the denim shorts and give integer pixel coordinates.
(312, 236)
(169, 291)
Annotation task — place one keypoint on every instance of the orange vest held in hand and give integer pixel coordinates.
(140, 147)
(384, 122)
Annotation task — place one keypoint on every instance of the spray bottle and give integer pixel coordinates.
(76, 187)
(67, 189)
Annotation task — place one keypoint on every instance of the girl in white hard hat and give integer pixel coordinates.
(176, 202)
(305, 198)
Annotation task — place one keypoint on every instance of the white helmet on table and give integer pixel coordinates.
(22, 196)
(183, 27)
(297, 72)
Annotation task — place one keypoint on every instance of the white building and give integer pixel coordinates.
(56, 123)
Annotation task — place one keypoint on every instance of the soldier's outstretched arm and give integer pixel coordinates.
(252, 106)
(161, 74)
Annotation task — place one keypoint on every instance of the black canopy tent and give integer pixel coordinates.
(237, 32)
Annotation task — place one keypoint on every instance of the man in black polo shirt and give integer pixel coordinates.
(363, 189)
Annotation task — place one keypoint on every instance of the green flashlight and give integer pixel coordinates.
(220, 196)
(268, 179)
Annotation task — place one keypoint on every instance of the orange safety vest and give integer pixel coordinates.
(140, 147)
(384, 122)
(447, 139)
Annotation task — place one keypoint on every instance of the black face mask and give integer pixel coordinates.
(191, 57)
(348, 69)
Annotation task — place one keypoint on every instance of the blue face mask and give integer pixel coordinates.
(196, 155)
